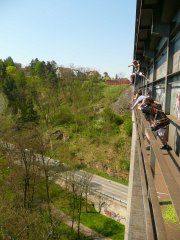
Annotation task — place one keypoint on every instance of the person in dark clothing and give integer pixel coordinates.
(158, 120)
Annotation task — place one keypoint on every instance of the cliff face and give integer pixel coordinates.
(124, 102)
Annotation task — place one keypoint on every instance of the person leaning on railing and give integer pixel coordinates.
(139, 97)
(157, 118)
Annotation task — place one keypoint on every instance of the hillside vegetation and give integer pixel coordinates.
(73, 110)
(66, 114)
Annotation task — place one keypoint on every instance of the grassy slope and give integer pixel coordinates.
(96, 142)
(101, 224)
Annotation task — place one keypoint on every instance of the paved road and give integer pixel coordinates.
(109, 188)
(99, 184)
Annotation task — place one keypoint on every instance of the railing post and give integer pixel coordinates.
(142, 128)
(152, 160)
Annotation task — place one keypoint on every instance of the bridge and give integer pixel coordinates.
(154, 174)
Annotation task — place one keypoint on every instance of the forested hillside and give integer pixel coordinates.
(66, 114)
(72, 109)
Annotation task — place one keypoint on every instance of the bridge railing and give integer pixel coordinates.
(155, 227)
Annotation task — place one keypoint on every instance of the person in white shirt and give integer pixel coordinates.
(139, 98)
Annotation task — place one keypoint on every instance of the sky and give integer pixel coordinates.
(95, 34)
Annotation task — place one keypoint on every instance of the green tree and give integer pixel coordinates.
(2, 69)
(51, 74)
(11, 70)
(9, 62)
(106, 76)
(28, 114)
(10, 90)
(21, 79)
(32, 65)
(40, 69)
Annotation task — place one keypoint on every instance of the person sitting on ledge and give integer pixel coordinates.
(137, 66)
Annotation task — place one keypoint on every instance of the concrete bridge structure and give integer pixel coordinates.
(154, 174)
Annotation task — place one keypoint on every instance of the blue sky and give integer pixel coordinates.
(96, 34)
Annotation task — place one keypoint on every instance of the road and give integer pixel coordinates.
(109, 188)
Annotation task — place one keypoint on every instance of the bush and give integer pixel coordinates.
(125, 165)
(118, 120)
(110, 116)
(55, 191)
(64, 116)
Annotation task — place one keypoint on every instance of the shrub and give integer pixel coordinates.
(55, 191)
(118, 120)
(125, 165)
(64, 116)
(110, 116)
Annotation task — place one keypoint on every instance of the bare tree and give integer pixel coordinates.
(102, 201)
(27, 155)
(41, 148)
(78, 186)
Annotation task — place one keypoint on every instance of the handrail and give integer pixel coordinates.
(155, 210)
(147, 213)
(153, 214)
(173, 188)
